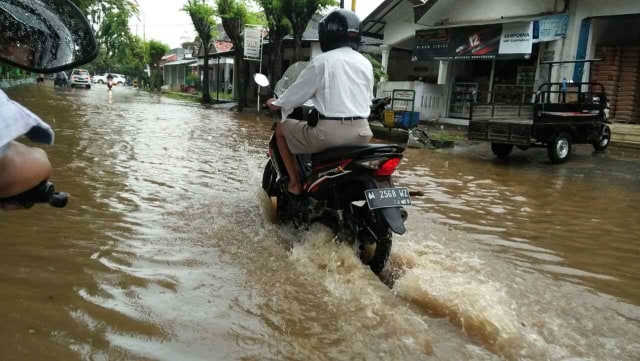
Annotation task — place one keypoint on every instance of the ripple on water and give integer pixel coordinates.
(169, 252)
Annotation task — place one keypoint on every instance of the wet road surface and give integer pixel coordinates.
(168, 251)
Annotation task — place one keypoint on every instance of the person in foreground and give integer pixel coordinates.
(340, 83)
(21, 167)
(43, 37)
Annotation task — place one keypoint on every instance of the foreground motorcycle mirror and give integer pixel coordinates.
(45, 36)
(261, 80)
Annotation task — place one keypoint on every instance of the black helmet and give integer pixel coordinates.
(45, 36)
(339, 28)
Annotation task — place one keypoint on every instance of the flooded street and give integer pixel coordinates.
(168, 250)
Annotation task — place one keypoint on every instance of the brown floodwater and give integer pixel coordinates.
(168, 251)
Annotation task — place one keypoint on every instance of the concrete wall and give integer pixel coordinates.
(401, 67)
(582, 9)
(315, 49)
(430, 100)
(8, 83)
(287, 53)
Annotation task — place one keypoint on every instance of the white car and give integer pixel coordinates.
(118, 79)
(100, 79)
(80, 77)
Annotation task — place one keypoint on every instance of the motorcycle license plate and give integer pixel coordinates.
(387, 197)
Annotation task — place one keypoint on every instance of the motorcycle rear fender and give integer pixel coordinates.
(392, 215)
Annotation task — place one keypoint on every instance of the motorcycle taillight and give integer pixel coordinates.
(388, 167)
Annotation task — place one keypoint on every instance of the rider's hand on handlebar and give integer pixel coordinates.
(272, 107)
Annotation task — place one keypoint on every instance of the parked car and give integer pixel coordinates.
(119, 79)
(99, 79)
(80, 77)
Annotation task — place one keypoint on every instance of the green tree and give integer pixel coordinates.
(378, 70)
(299, 13)
(133, 62)
(201, 15)
(234, 15)
(154, 52)
(279, 27)
(113, 34)
(111, 19)
(187, 44)
(96, 10)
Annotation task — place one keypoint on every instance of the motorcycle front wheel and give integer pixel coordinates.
(269, 179)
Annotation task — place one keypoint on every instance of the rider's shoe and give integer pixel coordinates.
(297, 203)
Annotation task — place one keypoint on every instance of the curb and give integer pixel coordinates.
(9, 83)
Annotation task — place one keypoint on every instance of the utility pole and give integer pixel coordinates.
(353, 5)
(341, 4)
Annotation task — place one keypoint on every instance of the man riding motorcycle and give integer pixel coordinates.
(340, 84)
(43, 37)
(109, 81)
(61, 79)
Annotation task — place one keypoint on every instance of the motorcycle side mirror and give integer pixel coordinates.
(45, 36)
(261, 80)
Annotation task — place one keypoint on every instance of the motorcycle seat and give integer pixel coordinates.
(351, 151)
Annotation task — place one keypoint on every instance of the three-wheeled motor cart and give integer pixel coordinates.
(562, 114)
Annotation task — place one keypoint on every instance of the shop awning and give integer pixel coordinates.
(180, 62)
(373, 25)
(453, 13)
(213, 61)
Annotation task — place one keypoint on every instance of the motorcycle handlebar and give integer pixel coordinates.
(42, 193)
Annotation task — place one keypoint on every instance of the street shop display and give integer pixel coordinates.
(486, 42)
(402, 112)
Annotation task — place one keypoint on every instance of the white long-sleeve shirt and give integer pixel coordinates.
(339, 82)
(16, 120)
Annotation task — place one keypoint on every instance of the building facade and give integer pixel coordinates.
(457, 52)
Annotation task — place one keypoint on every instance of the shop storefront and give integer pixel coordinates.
(494, 63)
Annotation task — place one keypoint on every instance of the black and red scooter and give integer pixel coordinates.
(349, 189)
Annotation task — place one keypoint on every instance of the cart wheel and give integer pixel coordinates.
(501, 150)
(560, 148)
(605, 138)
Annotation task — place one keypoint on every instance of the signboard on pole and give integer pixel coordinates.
(466, 43)
(516, 38)
(550, 28)
(253, 49)
(253, 42)
(483, 42)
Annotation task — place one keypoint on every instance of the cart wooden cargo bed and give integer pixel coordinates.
(574, 112)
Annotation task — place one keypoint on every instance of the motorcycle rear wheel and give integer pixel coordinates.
(381, 255)
(382, 241)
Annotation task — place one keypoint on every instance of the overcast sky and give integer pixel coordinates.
(172, 26)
